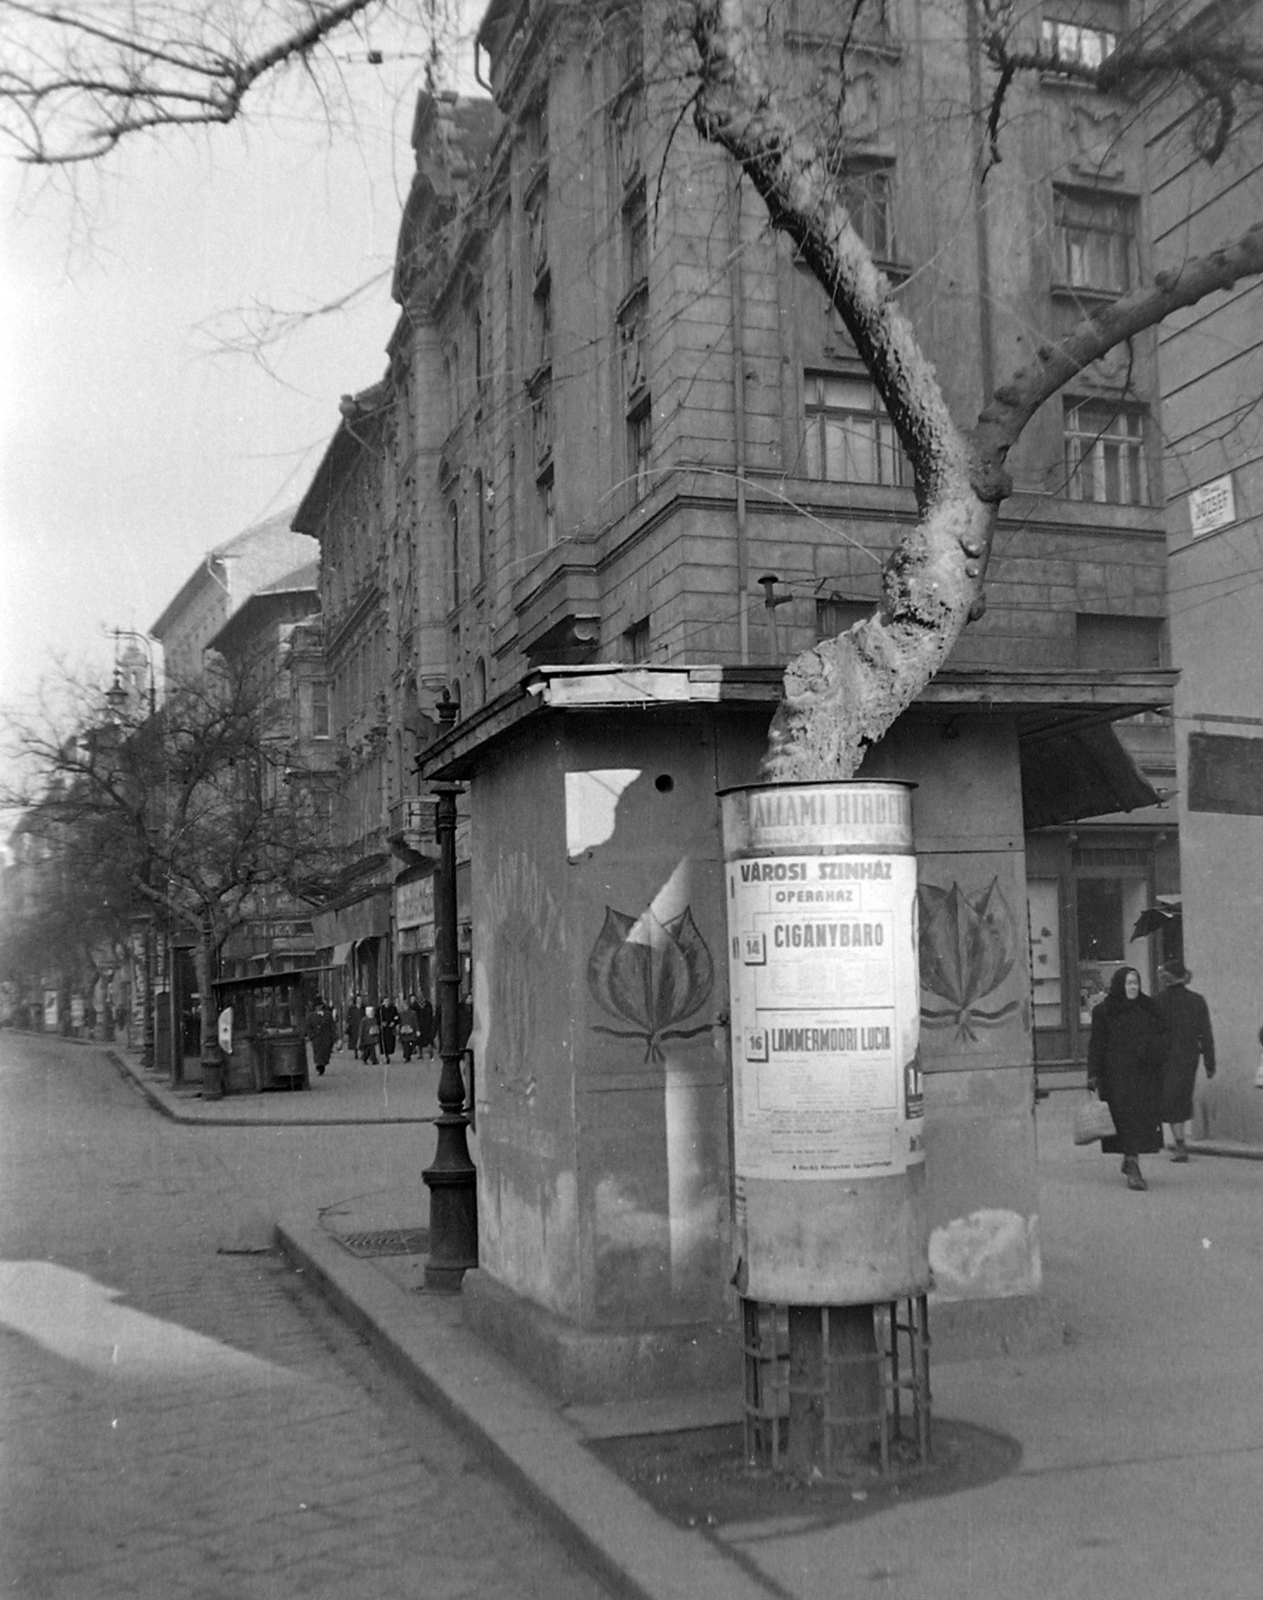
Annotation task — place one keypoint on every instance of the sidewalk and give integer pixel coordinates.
(348, 1092)
(1141, 1437)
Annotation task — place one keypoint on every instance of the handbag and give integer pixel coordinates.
(1093, 1121)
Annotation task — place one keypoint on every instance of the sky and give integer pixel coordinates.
(130, 444)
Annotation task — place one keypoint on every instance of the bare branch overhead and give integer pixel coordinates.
(79, 78)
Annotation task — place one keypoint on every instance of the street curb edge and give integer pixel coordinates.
(517, 1431)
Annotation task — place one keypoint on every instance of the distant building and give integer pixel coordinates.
(226, 577)
(386, 588)
(275, 639)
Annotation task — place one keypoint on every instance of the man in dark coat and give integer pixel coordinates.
(321, 1032)
(1126, 1050)
(354, 1016)
(388, 1018)
(1187, 1019)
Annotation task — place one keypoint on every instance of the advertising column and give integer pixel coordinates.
(827, 1106)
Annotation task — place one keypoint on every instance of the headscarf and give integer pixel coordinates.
(1118, 986)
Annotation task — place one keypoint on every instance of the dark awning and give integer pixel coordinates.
(1083, 773)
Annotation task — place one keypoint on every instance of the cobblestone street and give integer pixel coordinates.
(177, 1421)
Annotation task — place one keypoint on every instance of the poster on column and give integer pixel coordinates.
(823, 968)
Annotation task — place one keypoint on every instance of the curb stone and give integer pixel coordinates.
(519, 1432)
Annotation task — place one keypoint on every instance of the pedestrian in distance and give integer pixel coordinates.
(425, 1024)
(370, 1037)
(321, 1031)
(408, 1027)
(1189, 1039)
(354, 1016)
(1126, 1053)
(388, 1020)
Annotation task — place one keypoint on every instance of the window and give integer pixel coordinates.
(1094, 240)
(639, 446)
(547, 509)
(541, 325)
(1117, 643)
(480, 548)
(320, 710)
(541, 393)
(635, 239)
(1105, 453)
(825, 19)
(836, 613)
(850, 438)
(453, 525)
(480, 376)
(1075, 45)
(867, 191)
(636, 641)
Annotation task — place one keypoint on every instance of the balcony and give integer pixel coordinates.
(412, 820)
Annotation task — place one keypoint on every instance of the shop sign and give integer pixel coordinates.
(414, 903)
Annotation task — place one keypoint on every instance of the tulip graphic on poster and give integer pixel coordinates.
(968, 948)
(650, 975)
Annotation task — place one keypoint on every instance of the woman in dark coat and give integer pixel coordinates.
(1187, 1019)
(1126, 1051)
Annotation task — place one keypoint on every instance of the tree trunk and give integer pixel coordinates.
(843, 695)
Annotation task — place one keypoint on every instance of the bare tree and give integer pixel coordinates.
(79, 78)
(190, 810)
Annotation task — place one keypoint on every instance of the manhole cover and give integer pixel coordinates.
(387, 1242)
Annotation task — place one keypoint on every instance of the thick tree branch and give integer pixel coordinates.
(1015, 403)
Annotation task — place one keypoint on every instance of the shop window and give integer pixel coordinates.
(1108, 908)
(1043, 904)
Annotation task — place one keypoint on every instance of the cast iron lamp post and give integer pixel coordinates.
(452, 1177)
(131, 633)
(116, 699)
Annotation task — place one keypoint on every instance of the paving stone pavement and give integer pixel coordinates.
(183, 1423)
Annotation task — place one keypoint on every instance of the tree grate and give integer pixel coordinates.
(387, 1242)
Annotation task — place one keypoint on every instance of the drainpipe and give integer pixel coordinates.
(737, 295)
(982, 235)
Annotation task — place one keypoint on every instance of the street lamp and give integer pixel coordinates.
(116, 696)
(131, 633)
(451, 1178)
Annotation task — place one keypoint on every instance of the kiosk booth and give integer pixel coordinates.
(262, 1021)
